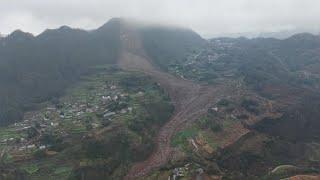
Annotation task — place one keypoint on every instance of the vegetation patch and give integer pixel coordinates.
(7, 133)
(181, 138)
(30, 169)
(208, 122)
(65, 170)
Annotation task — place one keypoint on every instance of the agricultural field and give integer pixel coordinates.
(87, 128)
(212, 131)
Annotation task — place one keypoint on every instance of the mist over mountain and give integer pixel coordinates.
(130, 100)
(284, 34)
(38, 68)
(35, 69)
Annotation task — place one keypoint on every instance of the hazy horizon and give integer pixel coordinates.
(209, 18)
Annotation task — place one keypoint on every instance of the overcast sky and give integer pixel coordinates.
(207, 17)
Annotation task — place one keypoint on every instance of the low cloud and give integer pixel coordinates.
(207, 17)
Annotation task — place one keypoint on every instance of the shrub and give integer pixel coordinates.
(250, 105)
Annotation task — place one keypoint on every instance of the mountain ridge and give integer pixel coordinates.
(232, 100)
(53, 59)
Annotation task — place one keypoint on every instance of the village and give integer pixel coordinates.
(85, 108)
(97, 109)
(206, 65)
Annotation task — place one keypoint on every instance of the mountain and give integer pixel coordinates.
(272, 110)
(128, 100)
(279, 34)
(167, 45)
(272, 34)
(35, 69)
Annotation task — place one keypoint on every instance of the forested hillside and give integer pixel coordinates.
(36, 69)
(167, 46)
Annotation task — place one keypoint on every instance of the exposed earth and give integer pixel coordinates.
(191, 100)
(133, 101)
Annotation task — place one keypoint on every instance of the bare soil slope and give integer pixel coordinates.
(191, 100)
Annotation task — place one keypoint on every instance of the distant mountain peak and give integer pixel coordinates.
(64, 28)
(19, 35)
(116, 20)
(303, 36)
(19, 32)
(62, 31)
(112, 23)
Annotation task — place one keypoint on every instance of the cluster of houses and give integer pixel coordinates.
(185, 171)
(51, 117)
(27, 133)
(196, 61)
(221, 44)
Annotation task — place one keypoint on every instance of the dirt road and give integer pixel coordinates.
(191, 100)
